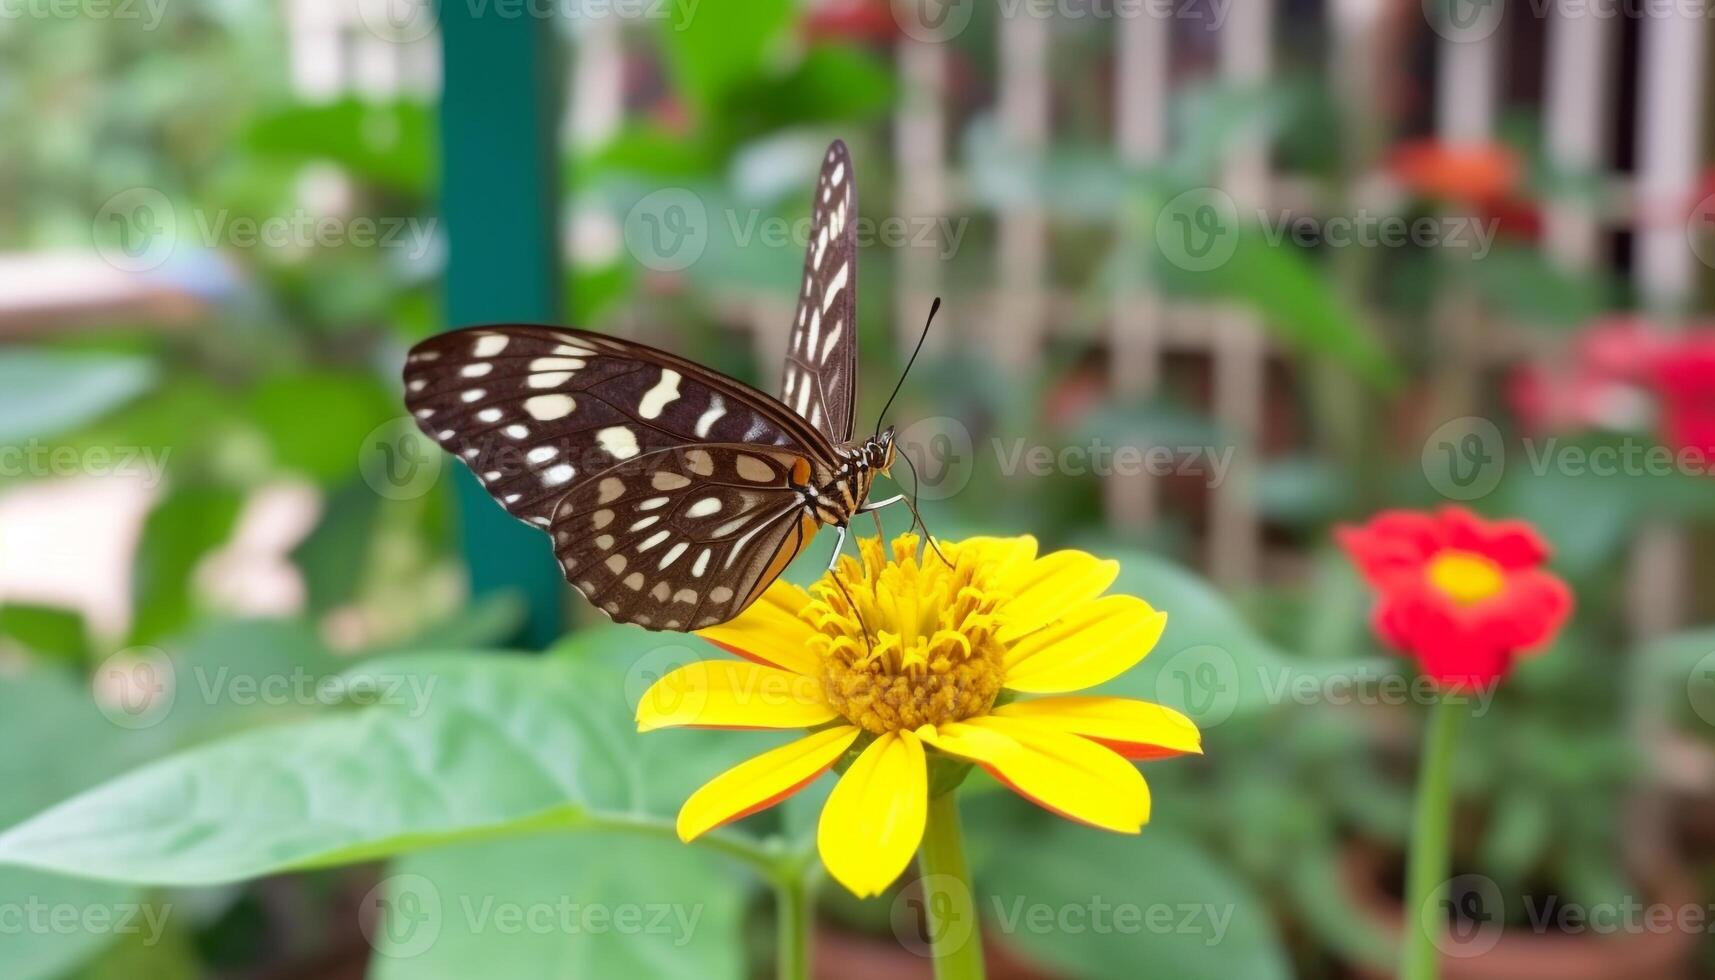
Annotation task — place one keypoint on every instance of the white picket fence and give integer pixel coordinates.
(335, 49)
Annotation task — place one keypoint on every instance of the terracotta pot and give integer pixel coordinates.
(840, 955)
(1521, 954)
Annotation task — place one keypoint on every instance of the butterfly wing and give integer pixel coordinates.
(820, 381)
(536, 412)
(685, 538)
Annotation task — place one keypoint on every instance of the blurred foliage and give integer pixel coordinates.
(289, 372)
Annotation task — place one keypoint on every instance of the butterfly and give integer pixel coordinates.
(674, 494)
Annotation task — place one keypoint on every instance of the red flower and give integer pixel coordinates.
(1463, 595)
(853, 20)
(1485, 177)
(1605, 384)
(1685, 382)
(1472, 173)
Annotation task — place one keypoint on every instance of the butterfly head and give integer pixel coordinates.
(879, 450)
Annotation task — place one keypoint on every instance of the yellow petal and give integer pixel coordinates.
(1134, 729)
(763, 781)
(1095, 642)
(1068, 775)
(732, 694)
(770, 631)
(1002, 555)
(1050, 587)
(874, 818)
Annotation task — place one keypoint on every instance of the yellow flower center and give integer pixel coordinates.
(930, 656)
(1466, 577)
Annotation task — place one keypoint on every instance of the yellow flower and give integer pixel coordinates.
(948, 649)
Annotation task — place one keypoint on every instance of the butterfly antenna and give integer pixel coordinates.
(933, 308)
(917, 515)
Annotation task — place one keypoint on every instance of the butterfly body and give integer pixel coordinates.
(842, 493)
(674, 494)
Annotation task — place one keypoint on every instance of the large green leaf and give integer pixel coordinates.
(69, 746)
(44, 392)
(569, 906)
(460, 747)
(1098, 906)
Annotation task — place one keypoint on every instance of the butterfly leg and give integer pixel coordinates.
(879, 504)
(834, 559)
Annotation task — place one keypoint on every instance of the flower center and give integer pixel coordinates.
(930, 655)
(1466, 577)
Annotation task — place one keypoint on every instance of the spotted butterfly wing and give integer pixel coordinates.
(549, 417)
(674, 494)
(685, 538)
(820, 381)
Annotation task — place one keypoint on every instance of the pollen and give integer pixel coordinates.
(1466, 577)
(930, 654)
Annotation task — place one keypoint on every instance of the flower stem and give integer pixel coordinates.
(792, 920)
(1431, 843)
(950, 909)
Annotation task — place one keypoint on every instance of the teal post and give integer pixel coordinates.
(499, 202)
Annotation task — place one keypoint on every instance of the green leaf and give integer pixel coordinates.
(1294, 298)
(1525, 284)
(233, 675)
(46, 392)
(1302, 489)
(46, 631)
(1096, 906)
(643, 150)
(1323, 898)
(386, 143)
(710, 56)
(316, 422)
(830, 83)
(461, 747)
(334, 556)
(590, 905)
(190, 523)
(70, 746)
